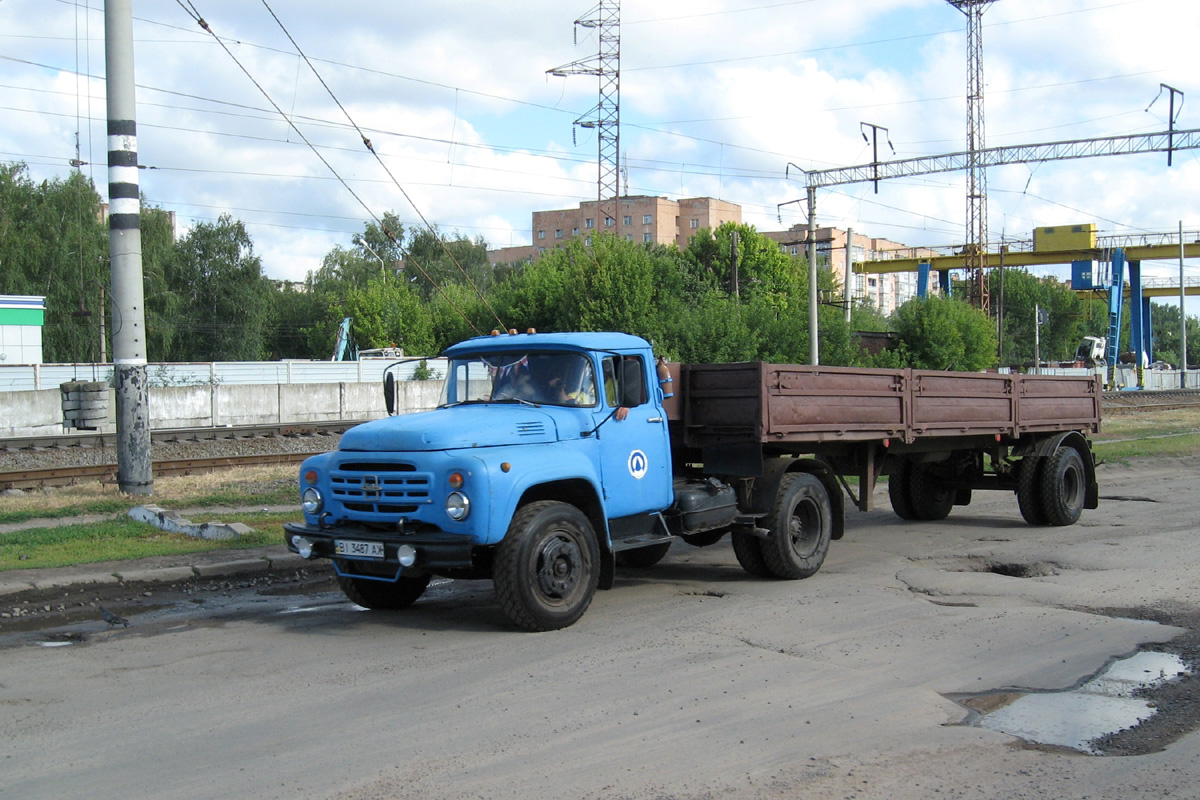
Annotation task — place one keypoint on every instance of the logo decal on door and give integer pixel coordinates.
(638, 464)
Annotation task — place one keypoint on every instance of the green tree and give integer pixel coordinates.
(223, 297)
(54, 244)
(1165, 330)
(1070, 318)
(433, 260)
(386, 313)
(940, 333)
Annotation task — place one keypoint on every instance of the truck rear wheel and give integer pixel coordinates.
(383, 595)
(748, 550)
(1029, 490)
(801, 525)
(1062, 487)
(932, 499)
(900, 492)
(547, 567)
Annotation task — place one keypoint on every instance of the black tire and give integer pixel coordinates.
(383, 595)
(1029, 490)
(932, 498)
(547, 567)
(801, 524)
(1063, 487)
(705, 538)
(748, 551)
(643, 557)
(900, 492)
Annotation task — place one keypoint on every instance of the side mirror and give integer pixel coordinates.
(389, 393)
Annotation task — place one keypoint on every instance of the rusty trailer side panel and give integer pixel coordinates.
(782, 403)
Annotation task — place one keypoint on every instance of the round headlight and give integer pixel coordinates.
(311, 500)
(458, 506)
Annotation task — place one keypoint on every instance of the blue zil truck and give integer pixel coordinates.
(553, 459)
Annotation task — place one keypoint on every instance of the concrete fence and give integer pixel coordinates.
(40, 412)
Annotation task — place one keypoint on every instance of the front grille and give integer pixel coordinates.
(380, 488)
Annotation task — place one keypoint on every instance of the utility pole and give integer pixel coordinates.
(733, 263)
(874, 142)
(846, 297)
(135, 475)
(1182, 317)
(814, 347)
(1170, 115)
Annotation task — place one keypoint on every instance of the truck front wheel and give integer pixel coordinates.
(547, 567)
(1063, 487)
(801, 524)
(383, 595)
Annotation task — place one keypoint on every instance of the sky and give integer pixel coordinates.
(717, 97)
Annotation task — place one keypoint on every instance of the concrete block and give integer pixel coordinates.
(11, 583)
(74, 576)
(156, 574)
(240, 567)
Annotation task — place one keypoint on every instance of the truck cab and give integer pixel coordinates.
(547, 454)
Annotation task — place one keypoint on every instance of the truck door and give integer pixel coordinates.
(635, 454)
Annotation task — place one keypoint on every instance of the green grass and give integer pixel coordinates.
(123, 538)
(1126, 437)
(1171, 445)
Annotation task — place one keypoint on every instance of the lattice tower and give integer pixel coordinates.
(975, 252)
(605, 116)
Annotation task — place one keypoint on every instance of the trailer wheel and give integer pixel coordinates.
(932, 499)
(801, 525)
(547, 566)
(642, 557)
(1029, 490)
(900, 492)
(381, 595)
(1062, 487)
(749, 553)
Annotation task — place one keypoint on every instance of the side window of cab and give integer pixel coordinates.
(624, 382)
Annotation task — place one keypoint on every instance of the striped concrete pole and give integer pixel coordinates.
(135, 473)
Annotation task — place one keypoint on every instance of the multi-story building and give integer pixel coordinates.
(885, 291)
(638, 218)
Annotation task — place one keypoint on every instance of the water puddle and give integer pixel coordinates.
(1076, 718)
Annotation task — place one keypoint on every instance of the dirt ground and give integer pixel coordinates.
(689, 680)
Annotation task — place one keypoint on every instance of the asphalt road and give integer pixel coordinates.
(688, 680)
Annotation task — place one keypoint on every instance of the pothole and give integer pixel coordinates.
(1081, 718)
(1037, 569)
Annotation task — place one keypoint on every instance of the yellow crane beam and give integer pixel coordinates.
(1152, 252)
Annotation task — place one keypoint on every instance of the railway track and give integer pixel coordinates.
(63, 460)
(182, 435)
(65, 475)
(1161, 400)
(107, 473)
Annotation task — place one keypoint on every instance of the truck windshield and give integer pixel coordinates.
(562, 379)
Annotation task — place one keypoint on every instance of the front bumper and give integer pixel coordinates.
(435, 550)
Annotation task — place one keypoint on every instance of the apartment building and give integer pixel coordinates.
(885, 291)
(637, 218)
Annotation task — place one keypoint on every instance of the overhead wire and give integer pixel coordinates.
(190, 9)
(367, 143)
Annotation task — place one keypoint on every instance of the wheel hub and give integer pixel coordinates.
(559, 567)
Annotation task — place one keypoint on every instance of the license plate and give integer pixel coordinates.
(346, 547)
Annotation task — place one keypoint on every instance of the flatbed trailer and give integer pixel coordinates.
(941, 433)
